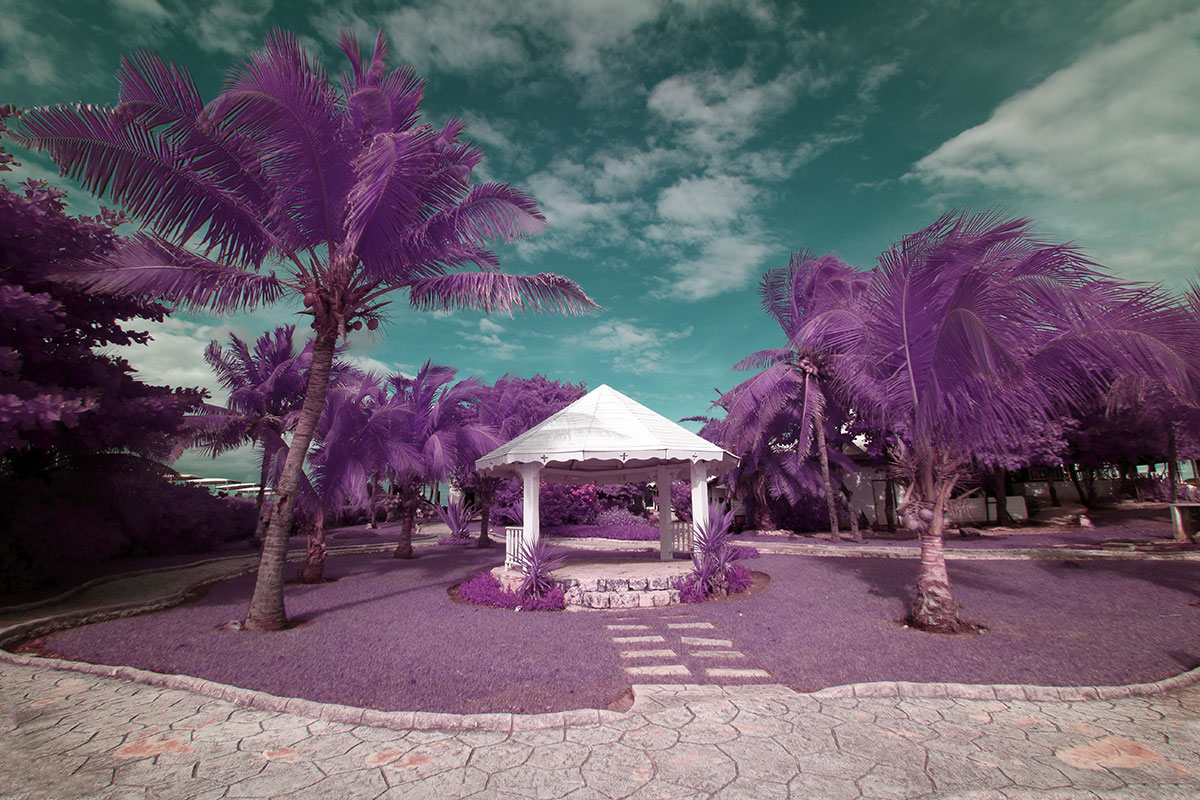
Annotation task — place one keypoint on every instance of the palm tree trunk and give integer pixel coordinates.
(934, 608)
(889, 505)
(1172, 465)
(408, 507)
(1000, 489)
(371, 504)
(266, 612)
(484, 498)
(313, 570)
(1073, 471)
(819, 424)
(263, 519)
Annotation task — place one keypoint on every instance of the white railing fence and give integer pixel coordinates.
(682, 534)
(512, 545)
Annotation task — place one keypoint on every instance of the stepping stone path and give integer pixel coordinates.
(680, 646)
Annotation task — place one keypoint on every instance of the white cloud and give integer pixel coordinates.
(175, 355)
(721, 112)
(139, 10)
(632, 346)
(874, 78)
(29, 57)
(230, 26)
(1106, 147)
(726, 263)
(715, 200)
(487, 326)
(492, 340)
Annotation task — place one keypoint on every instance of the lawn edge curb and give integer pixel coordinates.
(649, 696)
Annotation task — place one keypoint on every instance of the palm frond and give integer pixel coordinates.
(150, 267)
(149, 176)
(489, 291)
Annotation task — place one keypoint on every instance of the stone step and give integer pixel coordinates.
(620, 599)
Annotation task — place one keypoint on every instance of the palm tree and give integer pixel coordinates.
(357, 440)
(792, 379)
(968, 330)
(440, 432)
(286, 184)
(510, 407)
(266, 387)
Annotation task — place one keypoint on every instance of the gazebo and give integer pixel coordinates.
(605, 437)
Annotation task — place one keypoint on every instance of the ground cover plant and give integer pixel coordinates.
(295, 187)
(377, 637)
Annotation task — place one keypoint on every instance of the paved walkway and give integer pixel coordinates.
(68, 734)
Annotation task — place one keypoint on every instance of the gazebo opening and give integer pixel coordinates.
(605, 437)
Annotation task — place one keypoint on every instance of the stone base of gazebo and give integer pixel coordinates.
(596, 580)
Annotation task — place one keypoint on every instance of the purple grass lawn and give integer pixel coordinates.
(624, 532)
(386, 635)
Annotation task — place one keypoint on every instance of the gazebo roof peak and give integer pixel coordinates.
(606, 437)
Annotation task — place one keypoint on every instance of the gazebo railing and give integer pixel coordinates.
(681, 532)
(512, 545)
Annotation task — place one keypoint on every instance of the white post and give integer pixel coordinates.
(699, 478)
(531, 486)
(666, 538)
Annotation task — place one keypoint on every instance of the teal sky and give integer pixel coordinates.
(681, 149)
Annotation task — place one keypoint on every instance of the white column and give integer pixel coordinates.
(699, 478)
(666, 538)
(531, 486)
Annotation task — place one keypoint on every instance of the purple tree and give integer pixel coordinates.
(510, 407)
(339, 191)
(359, 439)
(968, 330)
(439, 429)
(266, 388)
(785, 405)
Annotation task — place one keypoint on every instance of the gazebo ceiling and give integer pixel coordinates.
(606, 437)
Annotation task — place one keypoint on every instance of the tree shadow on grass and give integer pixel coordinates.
(1179, 576)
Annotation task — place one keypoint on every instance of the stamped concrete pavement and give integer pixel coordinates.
(68, 735)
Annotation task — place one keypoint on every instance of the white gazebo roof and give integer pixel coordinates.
(606, 437)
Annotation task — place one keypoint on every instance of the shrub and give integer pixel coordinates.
(560, 503)
(740, 551)
(628, 533)
(537, 561)
(619, 516)
(484, 590)
(714, 573)
(457, 516)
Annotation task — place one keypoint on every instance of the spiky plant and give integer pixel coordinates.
(537, 561)
(289, 185)
(457, 517)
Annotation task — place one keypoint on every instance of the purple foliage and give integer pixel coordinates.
(713, 561)
(619, 516)
(457, 517)
(737, 578)
(681, 500)
(632, 533)
(484, 590)
(280, 167)
(96, 517)
(560, 503)
(739, 551)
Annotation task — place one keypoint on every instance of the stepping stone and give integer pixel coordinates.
(701, 642)
(679, 625)
(647, 654)
(636, 639)
(717, 654)
(628, 627)
(659, 669)
(725, 672)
